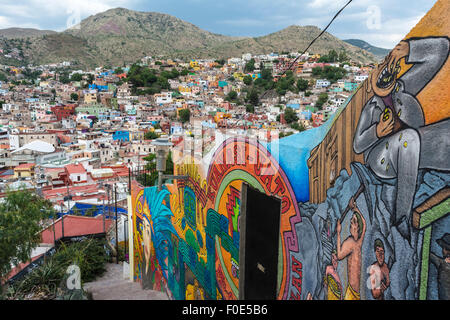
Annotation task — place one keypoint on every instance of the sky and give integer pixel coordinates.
(382, 23)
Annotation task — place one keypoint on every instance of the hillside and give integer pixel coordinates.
(380, 53)
(291, 39)
(120, 36)
(21, 33)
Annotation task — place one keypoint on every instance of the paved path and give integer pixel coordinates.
(112, 286)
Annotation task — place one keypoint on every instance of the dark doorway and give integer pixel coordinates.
(259, 240)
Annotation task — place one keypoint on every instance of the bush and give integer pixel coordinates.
(43, 283)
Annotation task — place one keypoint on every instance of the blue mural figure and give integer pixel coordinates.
(160, 229)
(190, 207)
(391, 131)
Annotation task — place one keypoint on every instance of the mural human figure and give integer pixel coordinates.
(350, 248)
(379, 272)
(147, 246)
(391, 131)
(332, 280)
(443, 267)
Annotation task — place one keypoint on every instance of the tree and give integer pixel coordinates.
(250, 108)
(91, 78)
(74, 96)
(76, 77)
(250, 66)
(3, 77)
(343, 56)
(290, 115)
(302, 84)
(21, 216)
(332, 56)
(323, 97)
(297, 126)
(174, 73)
(253, 97)
(231, 96)
(151, 135)
(118, 71)
(266, 74)
(185, 115)
(248, 80)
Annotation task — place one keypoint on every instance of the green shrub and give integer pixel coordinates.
(43, 282)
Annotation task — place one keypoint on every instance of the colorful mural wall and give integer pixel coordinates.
(365, 197)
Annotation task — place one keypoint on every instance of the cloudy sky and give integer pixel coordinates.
(380, 22)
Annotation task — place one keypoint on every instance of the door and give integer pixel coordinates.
(259, 243)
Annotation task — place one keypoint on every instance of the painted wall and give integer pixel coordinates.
(364, 197)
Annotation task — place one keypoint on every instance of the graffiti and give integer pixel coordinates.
(379, 272)
(190, 207)
(364, 198)
(152, 230)
(296, 280)
(350, 249)
(391, 130)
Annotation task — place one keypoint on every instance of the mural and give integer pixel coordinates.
(365, 197)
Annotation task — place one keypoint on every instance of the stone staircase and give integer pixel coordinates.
(113, 286)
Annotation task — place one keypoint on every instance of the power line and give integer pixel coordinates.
(310, 44)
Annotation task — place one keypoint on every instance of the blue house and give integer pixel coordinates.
(97, 87)
(350, 86)
(307, 114)
(121, 135)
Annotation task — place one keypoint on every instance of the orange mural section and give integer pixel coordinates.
(433, 98)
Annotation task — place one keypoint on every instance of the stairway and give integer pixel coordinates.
(112, 286)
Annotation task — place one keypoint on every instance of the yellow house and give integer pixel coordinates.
(43, 84)
(239, 76)
(24, 170)
(184, 89)
(194, 65)
(90, 98)
(179, 99)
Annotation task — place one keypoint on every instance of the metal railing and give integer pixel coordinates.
(144, 175)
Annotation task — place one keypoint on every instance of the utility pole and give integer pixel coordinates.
(54, 232)
(117, 236)
(104, 228)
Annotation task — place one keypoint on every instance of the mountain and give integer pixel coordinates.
(119, 36)
(20, 33)
(380, 53)
(122, 35)
(291, 39)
